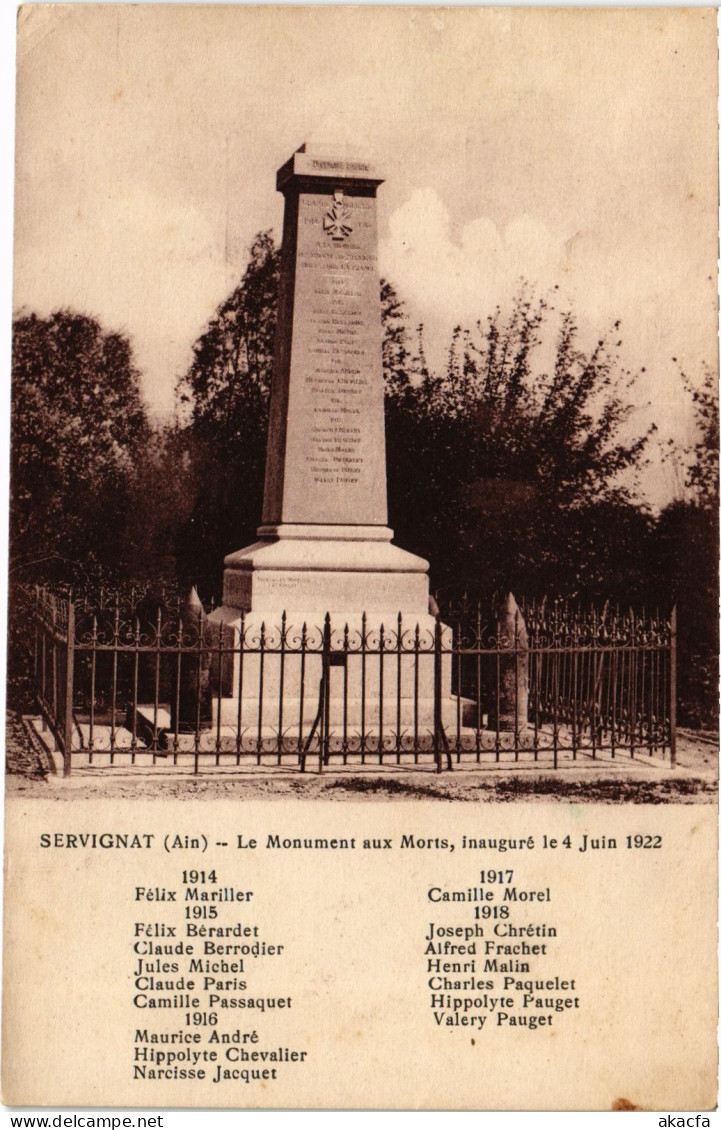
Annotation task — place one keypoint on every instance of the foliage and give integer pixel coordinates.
(232, 360)
(399, 365)
(684, 565)
(79, 447)
(703, 473)
(685, 562)
(227, 389)
(78, 424)
(515, 477)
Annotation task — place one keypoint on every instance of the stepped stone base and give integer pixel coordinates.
(373, 591)
(363, 683)
(321, 567)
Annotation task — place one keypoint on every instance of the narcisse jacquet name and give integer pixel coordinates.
(199, 965)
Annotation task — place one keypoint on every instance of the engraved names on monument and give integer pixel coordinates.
(331, 468)
(336, 407)
(324, 545)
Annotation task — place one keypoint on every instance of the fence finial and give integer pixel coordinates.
(509, 608)
(193, 608)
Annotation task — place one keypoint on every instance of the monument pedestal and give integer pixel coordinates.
(323, 567)
(374, 686)
(380, 667)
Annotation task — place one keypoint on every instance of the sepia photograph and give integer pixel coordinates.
(363, 487)
(383, 440)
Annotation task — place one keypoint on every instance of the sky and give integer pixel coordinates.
(575, 148)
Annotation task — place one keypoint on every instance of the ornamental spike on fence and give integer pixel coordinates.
(192, 611)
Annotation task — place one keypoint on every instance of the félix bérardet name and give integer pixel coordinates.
(197, 974)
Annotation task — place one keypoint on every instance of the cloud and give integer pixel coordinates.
(448, 276)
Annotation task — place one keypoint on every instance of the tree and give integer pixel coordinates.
(399, 365)
(232, 360)
(703, 472)
(516, 476)
(227, 389)
(78, 425)
(685, 562)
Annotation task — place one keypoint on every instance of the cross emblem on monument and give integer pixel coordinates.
(335, 222)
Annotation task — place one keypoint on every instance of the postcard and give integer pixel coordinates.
(362, 655)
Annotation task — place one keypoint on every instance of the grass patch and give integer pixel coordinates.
(610, 790)
(389, 786)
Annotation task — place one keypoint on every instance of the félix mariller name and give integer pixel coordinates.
(192, 894)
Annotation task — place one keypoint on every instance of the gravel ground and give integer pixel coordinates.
(22, 759)
(694, 780)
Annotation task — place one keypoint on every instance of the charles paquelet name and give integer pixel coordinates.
(199, 953)
(492, 964)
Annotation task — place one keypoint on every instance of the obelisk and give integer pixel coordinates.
(324, 544)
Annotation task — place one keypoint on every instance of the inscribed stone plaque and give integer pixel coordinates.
(333, 426)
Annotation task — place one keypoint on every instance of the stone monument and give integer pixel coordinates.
(324, 545)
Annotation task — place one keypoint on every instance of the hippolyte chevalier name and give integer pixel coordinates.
(215, 995)
(200, 950)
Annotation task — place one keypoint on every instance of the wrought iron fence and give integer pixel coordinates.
(144, 681)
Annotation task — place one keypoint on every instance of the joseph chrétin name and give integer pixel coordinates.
(460, 956)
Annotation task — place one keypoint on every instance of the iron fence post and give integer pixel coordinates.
(324, 744)
(672, 686)
(69, 679)
(437, 683)
(36, 643)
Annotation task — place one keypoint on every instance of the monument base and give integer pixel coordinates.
(381, 670)
(379, 657)
(318, 568)
(347, 719)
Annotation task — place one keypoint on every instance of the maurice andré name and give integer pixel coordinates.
(183, 1061)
